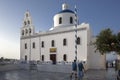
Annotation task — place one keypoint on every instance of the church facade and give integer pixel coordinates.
(58, 44)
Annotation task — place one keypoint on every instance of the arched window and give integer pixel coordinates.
(64, 42)
(22, 32)
(52, 43)
(25, 57)
(71, 20)
(42, 44)
(42, 57)
(60, 20)
(65, 57)
(25, 45)
(26, 31)
(78, 40)
(30, 30)
(28, 22)
(33, 44)
(25, 23)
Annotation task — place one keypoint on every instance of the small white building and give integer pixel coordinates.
(58, 44)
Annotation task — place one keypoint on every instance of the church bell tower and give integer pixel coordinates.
(28, 28)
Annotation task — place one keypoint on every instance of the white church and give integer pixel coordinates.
(58, 43)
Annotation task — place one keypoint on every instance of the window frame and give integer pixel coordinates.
(28, 22)
(22, 32)
(65, 57)
(71, 20)
(26, 31)
(25, 57)
(64, 42)
(78, 41)
(29, 30)
(43, 57)
(52, 43)
(25, 23)
(42, 44)
(60, 20)
(33, 45)
(25, 45)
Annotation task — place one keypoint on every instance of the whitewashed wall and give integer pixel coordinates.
(69, 49)
(95, 59)
(65, 19)
(85, 51)
(34, 52)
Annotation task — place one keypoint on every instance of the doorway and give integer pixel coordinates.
(53, 58)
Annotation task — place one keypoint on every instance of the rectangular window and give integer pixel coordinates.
(78, 41)
(42, 44)
(64, 42)
(60, 20)
(71, 20)
(25, 45)
(65, 57)
(33, 44)
(42, 57)
(53, 43)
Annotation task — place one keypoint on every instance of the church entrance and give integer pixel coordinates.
(53, 58)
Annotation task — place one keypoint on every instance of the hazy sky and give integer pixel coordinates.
(100, 14)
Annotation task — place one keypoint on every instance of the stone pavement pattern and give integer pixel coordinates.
(37, 75)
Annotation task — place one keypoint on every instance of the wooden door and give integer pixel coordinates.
(53, 58)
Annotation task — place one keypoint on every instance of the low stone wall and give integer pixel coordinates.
(55, 68)
(49, 67)
(6, 67)
(64, 68)
(24, 66)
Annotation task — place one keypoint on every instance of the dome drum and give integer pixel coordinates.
(64, 19)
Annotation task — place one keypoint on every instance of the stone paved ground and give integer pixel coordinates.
(110, 74)
(36, 75)
(32, 75)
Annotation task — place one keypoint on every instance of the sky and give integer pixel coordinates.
(100, 14)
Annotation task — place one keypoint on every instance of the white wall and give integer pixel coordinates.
(35, 52)
(85, 51)
(65, 19)
(96, 60)
(69, 49)
(30, 51)
(24, 51)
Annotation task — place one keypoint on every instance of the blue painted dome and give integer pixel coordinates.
(66, 11)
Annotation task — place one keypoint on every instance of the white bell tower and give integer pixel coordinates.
(28, 28)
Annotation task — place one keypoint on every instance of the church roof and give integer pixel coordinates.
(66, 11)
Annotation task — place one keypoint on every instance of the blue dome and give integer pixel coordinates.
(66, 11)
